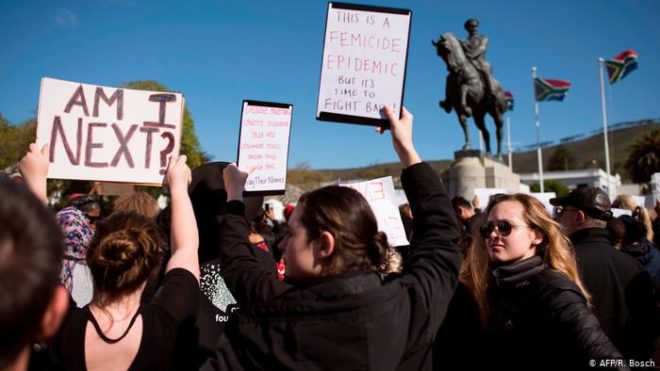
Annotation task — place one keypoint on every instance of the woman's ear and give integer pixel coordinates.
(325, 245)
(54, 314)
(537, 236)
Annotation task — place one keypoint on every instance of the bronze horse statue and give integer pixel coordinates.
(466, 92)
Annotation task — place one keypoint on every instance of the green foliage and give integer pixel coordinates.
(561, 159)
(15, 140)
(644, 157)
(189, 142)
(551, 186)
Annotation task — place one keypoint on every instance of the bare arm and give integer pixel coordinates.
(184, 236)
(34, 168)
(402, 136)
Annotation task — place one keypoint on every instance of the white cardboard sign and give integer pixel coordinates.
(383, 201)
(108, 134)
(264, 145)
(364, 63)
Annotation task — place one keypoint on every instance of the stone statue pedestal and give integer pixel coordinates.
(471, 169)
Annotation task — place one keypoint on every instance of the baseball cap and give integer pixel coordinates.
(591, 200)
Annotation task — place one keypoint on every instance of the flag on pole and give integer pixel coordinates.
(509, 100)
(621, 65)
(549, 89)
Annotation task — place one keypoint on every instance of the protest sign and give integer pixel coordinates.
(655, 188)
(264, 144)
(383, 201)
(108, 134)
(483, 195)
(365, 53)
(545, 200)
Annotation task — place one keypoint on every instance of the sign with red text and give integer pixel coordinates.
(384, 203)
(264, 145)
(364, 63)
(108, 134)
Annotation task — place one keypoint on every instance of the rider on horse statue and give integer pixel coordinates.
(474, 48)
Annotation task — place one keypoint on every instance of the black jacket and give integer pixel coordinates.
(539, 320)
(356, 321)
(622, 291)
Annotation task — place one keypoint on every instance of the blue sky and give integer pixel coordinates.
(218, 53)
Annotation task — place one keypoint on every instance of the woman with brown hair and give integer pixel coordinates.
(532, 303)
(116, 331)
(336, 308)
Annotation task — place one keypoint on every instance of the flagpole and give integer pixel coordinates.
(601, 62)
(508, 141)
(538, 134)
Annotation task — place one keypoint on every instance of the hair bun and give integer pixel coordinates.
(119, 252)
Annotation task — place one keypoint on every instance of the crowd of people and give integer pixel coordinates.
(214, 282)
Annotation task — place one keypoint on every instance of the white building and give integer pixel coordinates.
(578, 178)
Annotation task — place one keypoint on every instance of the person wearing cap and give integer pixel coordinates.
(623, 292)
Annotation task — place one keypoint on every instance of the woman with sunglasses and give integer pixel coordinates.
(532, 303)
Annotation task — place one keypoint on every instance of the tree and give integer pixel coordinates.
(561, 159)
(15, 140)
(551, 186)
(189, 142)
(644, 159)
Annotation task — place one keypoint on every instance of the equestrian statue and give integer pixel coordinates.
(470, 89)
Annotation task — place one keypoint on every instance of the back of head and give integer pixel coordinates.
(209, 200)
(30, 263)
(640, 213)
(127, 248)
(459, 201)
(345, 213)
(140, 202)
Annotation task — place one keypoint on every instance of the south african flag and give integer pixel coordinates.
(550, 89)
(621, 65)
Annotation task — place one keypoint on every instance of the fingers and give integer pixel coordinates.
(45, 150)
(389, 113)
(405, 114)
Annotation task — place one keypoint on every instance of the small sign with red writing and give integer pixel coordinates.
(364, 63)
(264, 145)
(381, 196)
(108, 134)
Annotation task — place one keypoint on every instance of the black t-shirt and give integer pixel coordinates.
(176, 300)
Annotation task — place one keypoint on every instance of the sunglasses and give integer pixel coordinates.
(560, 210)
(503, 227)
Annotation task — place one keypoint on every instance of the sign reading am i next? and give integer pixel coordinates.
(364, 63)
(108, 134)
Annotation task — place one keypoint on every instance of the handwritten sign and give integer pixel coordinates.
(264, 144)
(108, 134)
(364, 63)
(383, 201)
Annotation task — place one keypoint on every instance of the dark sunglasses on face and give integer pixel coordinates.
(503, 227)
(560, 210)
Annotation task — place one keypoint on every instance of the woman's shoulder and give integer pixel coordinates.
(555, 288)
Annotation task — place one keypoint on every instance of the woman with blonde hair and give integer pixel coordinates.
(640, 213)
(532, 303)
(140, 202)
